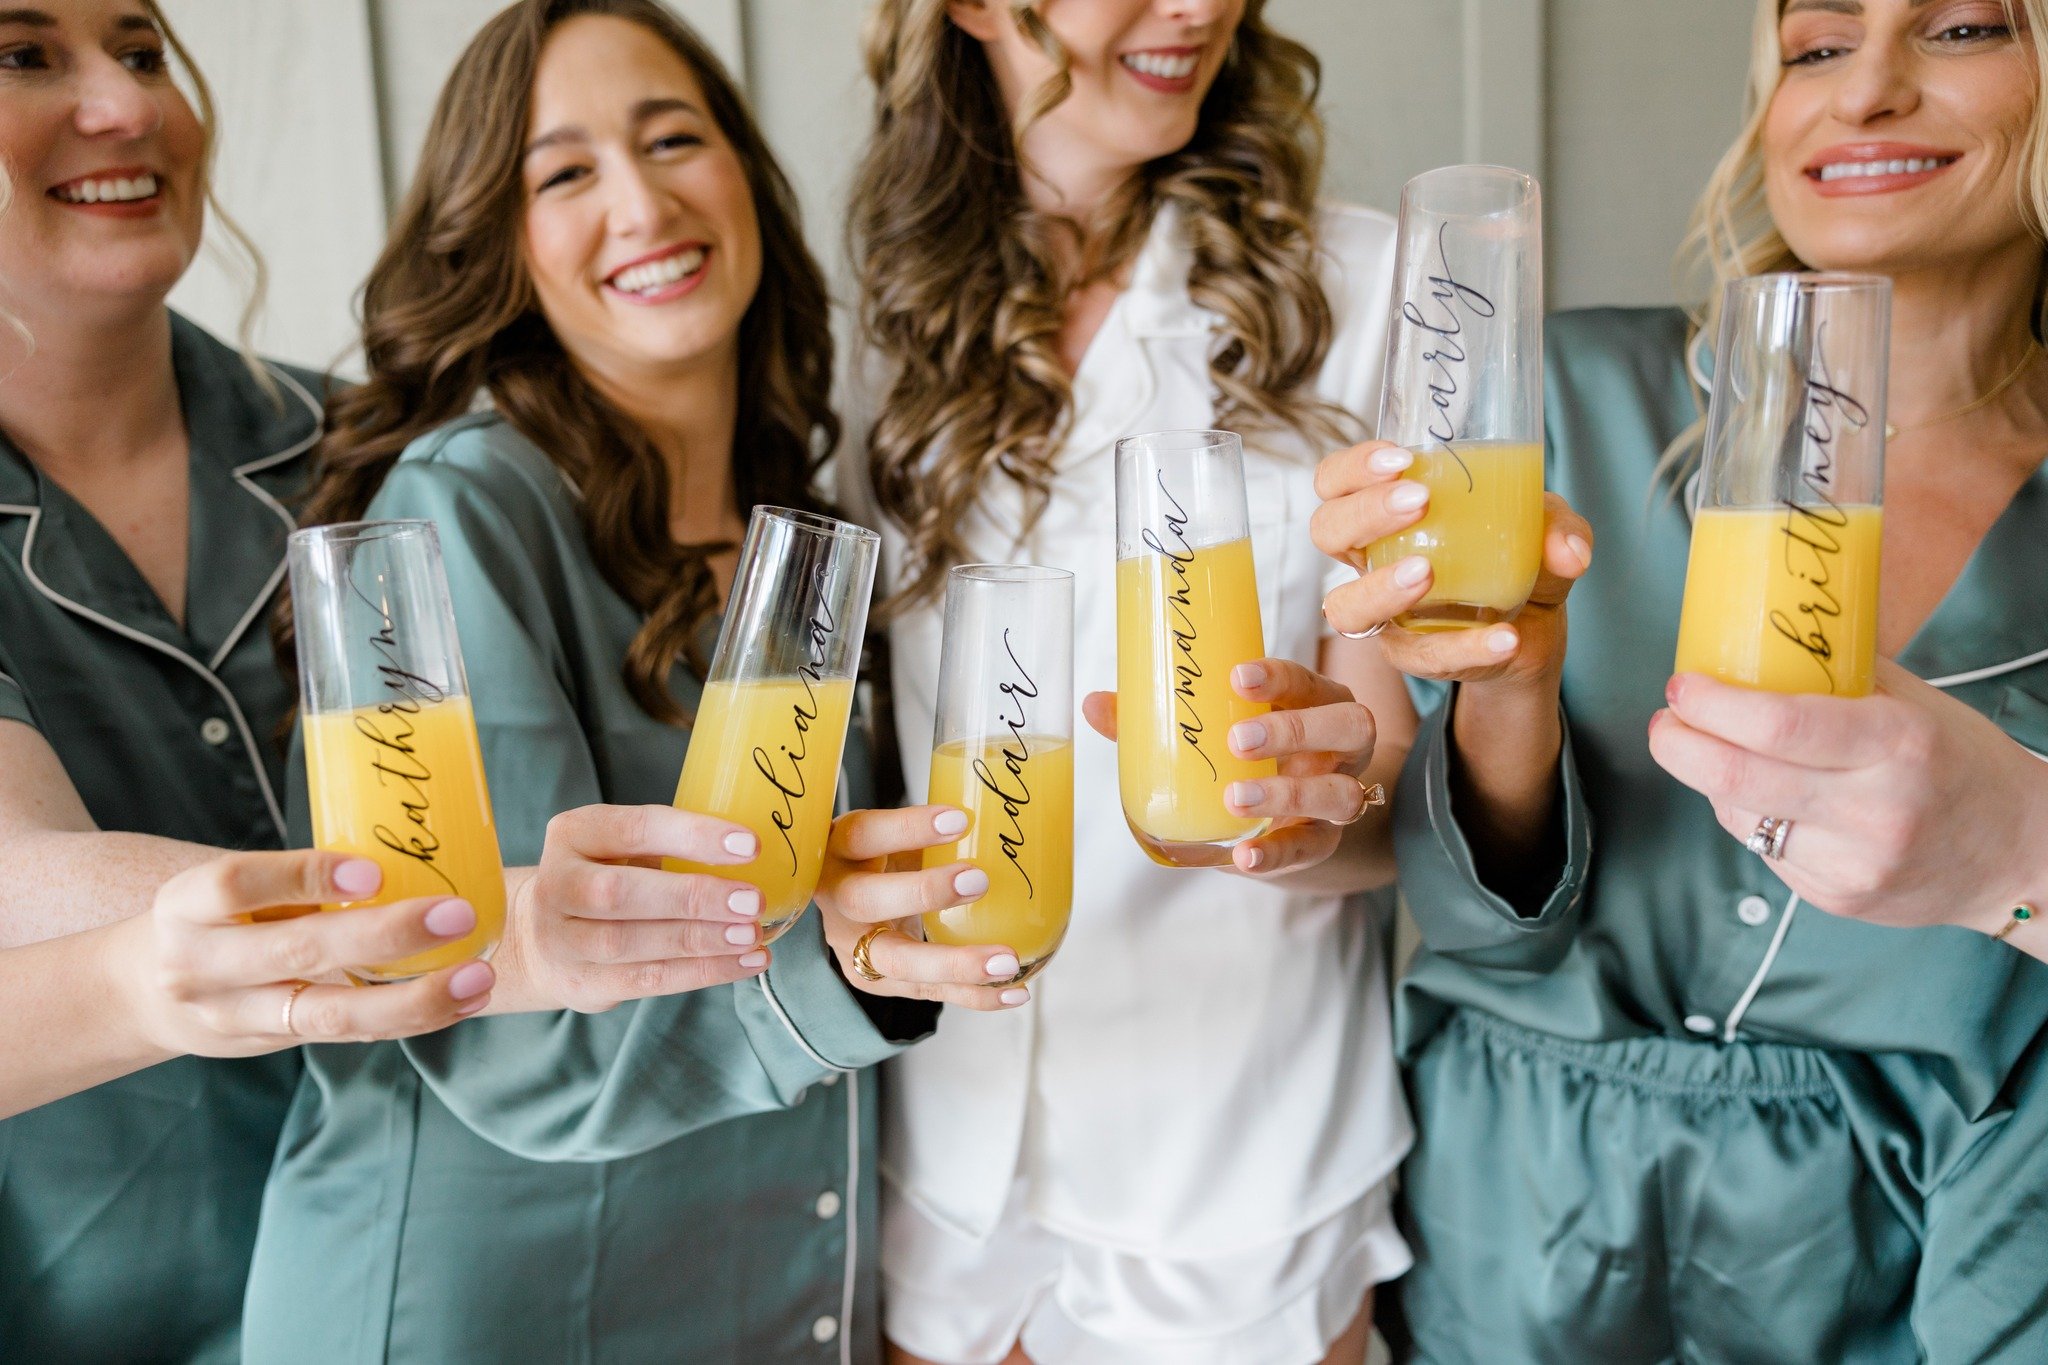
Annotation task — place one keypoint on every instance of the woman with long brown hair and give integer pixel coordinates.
(599, 242)
(1771, 1092)
(1078, 222)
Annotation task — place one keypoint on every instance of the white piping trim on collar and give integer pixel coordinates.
(10, 509)
(1995, 670)
(283, 514)
(249, 745)
(851, 1212)
(1756, 983)
(4, 678)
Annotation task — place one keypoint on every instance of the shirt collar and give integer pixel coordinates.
(232, 420)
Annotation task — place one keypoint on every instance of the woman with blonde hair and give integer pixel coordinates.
(1078, 222)
(1788, 1105)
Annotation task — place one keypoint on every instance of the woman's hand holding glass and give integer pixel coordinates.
(1322, 738)
(1907, 807)
(875, 878)
(206, 977)
(1365, 499)
(599, 922)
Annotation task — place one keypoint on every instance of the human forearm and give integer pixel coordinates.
(68, 1023)
(62, 882)
(1506, 739)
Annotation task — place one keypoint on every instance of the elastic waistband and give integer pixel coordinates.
(1670, 1066)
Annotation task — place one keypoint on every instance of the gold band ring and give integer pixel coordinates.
(285, 1015)
(1370, 794)
(861, 963)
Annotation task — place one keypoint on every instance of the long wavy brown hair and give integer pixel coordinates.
(964, 285)
(449, 312)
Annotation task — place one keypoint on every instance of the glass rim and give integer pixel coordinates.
(817, 523)
(1182, 440)
(1809, 282)
(1529, 188)
(357, 532)
(1010, 573)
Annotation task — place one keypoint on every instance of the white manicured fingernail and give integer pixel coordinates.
(1246, 793)
(1502, 642)
(745, 901)
(1247, 676)
(972, 882)
(358, 877)
(1390, 461)
(757, 958)
(1014, 996)
(1406, 497)
(1580, 548)
(1002, 966)
(1252, 858)
(740, 844)
(1411, 571)
(741, 933)
(1247, 735)
(451, 918)
(950, 822)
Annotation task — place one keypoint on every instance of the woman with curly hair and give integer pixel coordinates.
(1077, 222)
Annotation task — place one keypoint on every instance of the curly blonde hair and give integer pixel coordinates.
(1733, 235)
(964, 284)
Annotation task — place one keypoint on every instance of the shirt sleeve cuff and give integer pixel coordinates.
(14, 702)
(803, 998)
(1459, 916)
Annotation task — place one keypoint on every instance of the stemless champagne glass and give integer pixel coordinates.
(1003, 751)
(1187, 613)
(1781, 587)
(1464, 390)
(393, 768)
(771, 726)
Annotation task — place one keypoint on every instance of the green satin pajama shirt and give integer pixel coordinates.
(127, 1213)
(1673, 1114)
(686, 1179)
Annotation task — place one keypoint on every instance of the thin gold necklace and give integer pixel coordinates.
(2026, 358)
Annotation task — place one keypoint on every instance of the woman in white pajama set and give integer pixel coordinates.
(1179, 1151)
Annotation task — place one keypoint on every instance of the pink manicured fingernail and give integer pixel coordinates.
(451, 918)
(358, 877)
(1016, 995)
(1389, 461)
(474, 979)
(1002, 966)
(1406, 497)
(740, 844)
(1246, 793)
(745, 901)
(741, 933)
(972, 882)
(1411, 571)
(1247, 676)
(1247, 735)
(1580, 548)
(1252, 858)
(757, 958)
(1502, 642)
(950, 822)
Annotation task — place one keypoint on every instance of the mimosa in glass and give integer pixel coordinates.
(1464, 391)
(1781, 587)
(1187, 614)
(394, 771)
(1003, 751)
(771, 725)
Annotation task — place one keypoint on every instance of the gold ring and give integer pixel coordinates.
(289, 1001)
(861, 963)
(1370, 794)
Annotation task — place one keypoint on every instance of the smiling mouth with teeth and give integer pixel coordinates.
(1162, 66)
(107, 190)
(652, 277)
(1851, 170)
